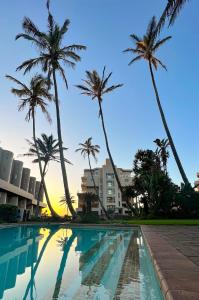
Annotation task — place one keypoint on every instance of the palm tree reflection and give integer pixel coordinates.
(65, 244)
(31, 283)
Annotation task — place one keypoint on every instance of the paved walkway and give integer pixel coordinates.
(175, 253)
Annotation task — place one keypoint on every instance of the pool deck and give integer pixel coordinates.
(175, 254)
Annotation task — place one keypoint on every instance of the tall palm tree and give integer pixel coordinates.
(33, 96)
(95, 87)
(146, 48)
(48, 149)
(170, 12)
(52, 58)
(88, 149)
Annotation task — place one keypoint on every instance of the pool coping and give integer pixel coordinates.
(177, 275)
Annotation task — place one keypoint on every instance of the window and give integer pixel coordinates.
(110, 199)
(109, 192)
(109, 176)
(112, 207)
(109, 183)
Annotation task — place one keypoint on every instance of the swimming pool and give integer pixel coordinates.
(75, 263)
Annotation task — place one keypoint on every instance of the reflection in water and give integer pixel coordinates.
(34, 268)
(58, 263)
(65, 244)
(18, 250)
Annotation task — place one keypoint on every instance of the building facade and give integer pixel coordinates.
(107, 187)
(17, 187)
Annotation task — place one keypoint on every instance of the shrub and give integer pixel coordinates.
(8, 213)
(90, 218)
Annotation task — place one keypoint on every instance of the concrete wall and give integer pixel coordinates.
(17, 187)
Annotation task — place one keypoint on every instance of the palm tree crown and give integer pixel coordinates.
(147, 46)
(52, 54)
(88, 149)
(95, 85)
(170, 12)
(48, 148)
(33, 95)
(162, 151)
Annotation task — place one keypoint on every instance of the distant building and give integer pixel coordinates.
(107, 187)
(17, 187)
(196, 183)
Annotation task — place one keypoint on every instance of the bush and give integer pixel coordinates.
(49, 219)
(8, 213)
(90, 218)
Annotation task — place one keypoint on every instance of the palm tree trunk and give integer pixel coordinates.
(175, 154)
(107, 147)
(39, 159)
(52, 211)
(111, 159)
(96, 191)
(63, 167)
(42, 174)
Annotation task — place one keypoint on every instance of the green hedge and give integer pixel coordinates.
(91, 217)
(8, 213)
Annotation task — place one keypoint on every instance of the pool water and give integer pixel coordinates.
(75, 263)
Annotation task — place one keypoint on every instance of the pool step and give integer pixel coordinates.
(92, 281)
(128, 287)
(85, 257)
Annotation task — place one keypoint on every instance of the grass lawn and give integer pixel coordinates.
(155, 222)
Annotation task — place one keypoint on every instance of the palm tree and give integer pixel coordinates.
(162, 151)
(95, 87)
(88, 149)
(52, 56)
(170, 12)
(89, 198)
(33, 96)
(146, 48)
(62, 201)
(48, 149)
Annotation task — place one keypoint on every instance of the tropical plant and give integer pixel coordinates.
(162, 151)
(89, 198)
(62, 201)
(95, 86)
(32, 97)
(52, 56)
(170, 12)
(87, 149)
(48, 149)
(146, 48)
(152, 184)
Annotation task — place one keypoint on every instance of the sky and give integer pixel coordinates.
(131, 115)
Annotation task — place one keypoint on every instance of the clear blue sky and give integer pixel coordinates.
(131, 114)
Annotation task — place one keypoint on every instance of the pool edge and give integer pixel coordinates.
(172, 287)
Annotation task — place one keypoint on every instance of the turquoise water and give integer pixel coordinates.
(75, 263)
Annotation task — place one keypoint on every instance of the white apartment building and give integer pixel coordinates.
(107, 187)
